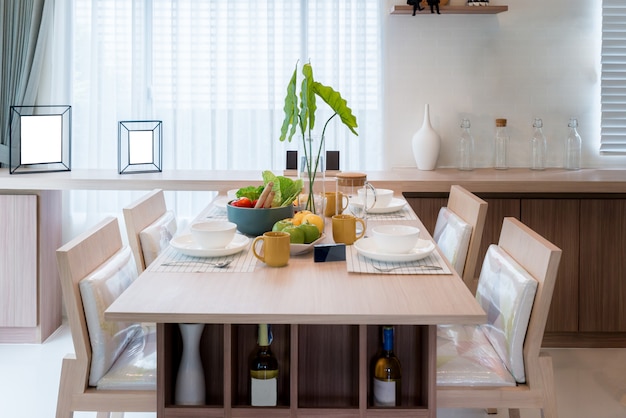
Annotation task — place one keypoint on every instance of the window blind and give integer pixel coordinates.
(613, 91)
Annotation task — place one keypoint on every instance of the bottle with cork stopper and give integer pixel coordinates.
(501, 145)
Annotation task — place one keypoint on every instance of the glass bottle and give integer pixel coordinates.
(501, 145)
(263, 370)
(387, 375)
(538, 147)
(573, 146)
(465, 147)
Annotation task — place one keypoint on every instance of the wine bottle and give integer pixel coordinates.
(263, 370)
(387, 375)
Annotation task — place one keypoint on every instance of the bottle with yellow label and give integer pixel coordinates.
(263, 370)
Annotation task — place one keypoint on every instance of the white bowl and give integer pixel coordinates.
(383, 197)
(213, 234)
(395, 239)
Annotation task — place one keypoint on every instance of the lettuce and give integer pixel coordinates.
(251, 192)
(286, 190)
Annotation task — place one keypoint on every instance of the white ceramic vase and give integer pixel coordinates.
(426, 143)
(190, 386)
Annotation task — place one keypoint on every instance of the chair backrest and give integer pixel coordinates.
(540, 258)
(138, 216)
(76, 260)
(472, 210)
(506, 292)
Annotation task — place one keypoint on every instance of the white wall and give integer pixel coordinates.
(538, 59)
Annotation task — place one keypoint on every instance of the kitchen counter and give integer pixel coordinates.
(486, 180)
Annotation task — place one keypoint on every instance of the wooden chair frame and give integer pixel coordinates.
(76, 260)
(472, 210)
(541, 259)
(139, 215)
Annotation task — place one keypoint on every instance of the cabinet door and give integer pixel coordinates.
(557, 220)
(602, 265)
(18, 261)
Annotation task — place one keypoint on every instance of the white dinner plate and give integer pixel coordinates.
(367, 247)
(185, 244)
(395, 205)
(295, 249)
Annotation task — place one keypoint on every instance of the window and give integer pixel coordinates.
(613, 77)
(215, 72)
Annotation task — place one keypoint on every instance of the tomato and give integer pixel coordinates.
(242, 202)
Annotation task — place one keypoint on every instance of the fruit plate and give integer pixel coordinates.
(296, 249)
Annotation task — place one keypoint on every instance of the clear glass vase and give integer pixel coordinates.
(312, 172)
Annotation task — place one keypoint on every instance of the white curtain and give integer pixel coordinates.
(215, 72)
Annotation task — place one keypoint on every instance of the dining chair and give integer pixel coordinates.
(499, 364)
(113, 368)
(149, 226)
(459, 230)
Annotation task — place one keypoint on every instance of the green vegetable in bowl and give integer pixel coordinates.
(251, 192)
(286, 190)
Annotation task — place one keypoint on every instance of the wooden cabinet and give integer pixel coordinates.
(324, 370)
(30, 293)
(602, 255)
(589, 302)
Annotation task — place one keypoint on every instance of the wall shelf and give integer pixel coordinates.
(405, 9)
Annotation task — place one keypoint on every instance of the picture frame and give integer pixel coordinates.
(140, 146)
(40, 139)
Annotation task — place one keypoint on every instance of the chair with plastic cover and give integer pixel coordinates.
(499, 364)
(113, 368)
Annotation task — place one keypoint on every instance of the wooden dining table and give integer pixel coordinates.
(325, 316)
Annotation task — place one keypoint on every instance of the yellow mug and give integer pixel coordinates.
(344, 229)
(336, 203)
(274, 248)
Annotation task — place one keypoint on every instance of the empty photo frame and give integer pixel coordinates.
(140, 146)
(40, 139)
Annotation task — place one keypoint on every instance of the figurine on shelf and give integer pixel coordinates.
(415, 4)
(434, 4)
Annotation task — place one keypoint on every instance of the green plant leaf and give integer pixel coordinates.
(291, 109)
(338, 104)
(307, 99)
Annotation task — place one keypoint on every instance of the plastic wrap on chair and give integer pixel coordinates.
(156, 237)
(452, 235)
(466, 358)
(506, 292)
(98, 290)
(135, 368)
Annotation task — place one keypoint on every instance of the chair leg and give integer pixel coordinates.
(66, 384)
(547, 375)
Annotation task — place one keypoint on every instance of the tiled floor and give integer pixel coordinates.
(590, 382)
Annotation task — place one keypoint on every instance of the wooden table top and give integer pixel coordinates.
(304, 292)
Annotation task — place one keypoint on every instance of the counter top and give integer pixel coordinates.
(486, 180)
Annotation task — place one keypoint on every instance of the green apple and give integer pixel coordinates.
(282, 224)
(311, 233)
(297, 235)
